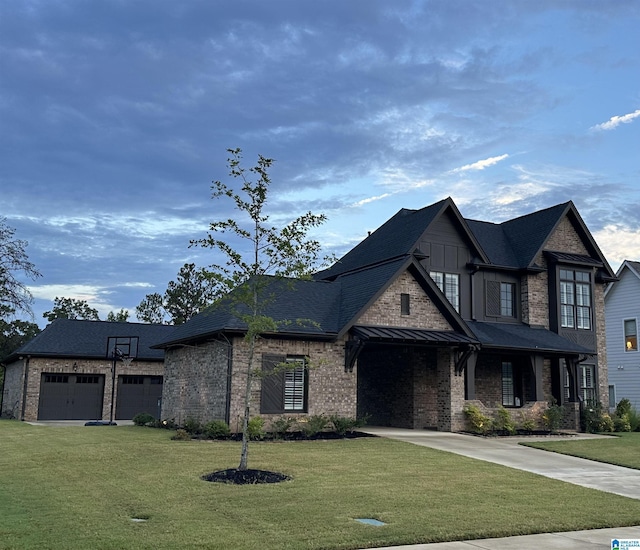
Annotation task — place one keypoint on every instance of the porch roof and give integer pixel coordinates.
(519, 337)
(403, 335)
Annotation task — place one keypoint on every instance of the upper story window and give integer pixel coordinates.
(630, 335)
(449, 284)
(575, 299)
(507, 299)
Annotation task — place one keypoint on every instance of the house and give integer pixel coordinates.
(622, 311)
(431, 312)
(65, 372)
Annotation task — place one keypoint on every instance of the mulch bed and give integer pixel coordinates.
(245, 477)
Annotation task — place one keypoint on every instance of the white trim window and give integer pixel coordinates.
(449, 284)
(294, 385)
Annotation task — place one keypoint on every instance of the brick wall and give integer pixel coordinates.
(37, 366)
(386, 310)
(196, 382)
(331, 389)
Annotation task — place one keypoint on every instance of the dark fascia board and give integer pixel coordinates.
(585, 235)
(430, 287)
(495, 267)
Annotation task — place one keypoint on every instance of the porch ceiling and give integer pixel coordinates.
(402, 335)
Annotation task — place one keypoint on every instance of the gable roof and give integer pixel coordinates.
(88, 339)
(327, 308)
(398, 237)
(628, 266)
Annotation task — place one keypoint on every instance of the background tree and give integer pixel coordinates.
(284, 252)
(185, 297)
(14, 260)
(70, 308)
(121, 316)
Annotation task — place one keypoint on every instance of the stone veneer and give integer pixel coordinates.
(14, 404)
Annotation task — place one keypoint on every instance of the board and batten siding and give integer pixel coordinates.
(623, 302)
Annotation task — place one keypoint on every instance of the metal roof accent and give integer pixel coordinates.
(402, 335)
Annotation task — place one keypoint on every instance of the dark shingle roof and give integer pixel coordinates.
(88, 339)
(523, 337)
(395, 238)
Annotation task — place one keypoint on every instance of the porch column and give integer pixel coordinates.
(450, 393)
(470, 377)
(537, 365)
(572, 369)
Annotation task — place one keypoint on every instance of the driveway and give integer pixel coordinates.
(508, 452)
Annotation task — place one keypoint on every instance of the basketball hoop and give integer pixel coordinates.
(126, 360)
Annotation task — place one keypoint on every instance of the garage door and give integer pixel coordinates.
(70, 397)
(138, 394)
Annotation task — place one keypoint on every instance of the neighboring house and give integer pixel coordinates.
(622, 310)
(65, 372)
(429, 313)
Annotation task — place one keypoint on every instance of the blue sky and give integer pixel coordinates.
(115, 117)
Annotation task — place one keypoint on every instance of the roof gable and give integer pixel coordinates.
(401, 236)
(628, 268)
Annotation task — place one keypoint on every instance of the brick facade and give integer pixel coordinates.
(24, 381)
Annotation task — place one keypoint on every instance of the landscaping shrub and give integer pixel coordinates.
(479, 422)
(255, 428)
(181, 435)
(313, 425)
(344, 424)
(621, 423)
(144, 419)
(192, 426)
(527, 422)
(634, 420)
(216, 429)
(504, 422)
(552, 417)
(280, 426)
(594, 420)
(167, 424)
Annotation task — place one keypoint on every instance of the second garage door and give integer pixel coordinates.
(138, 394)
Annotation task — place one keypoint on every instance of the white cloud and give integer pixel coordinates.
(481, 164)
(618, 243)
(371, 199)
(615, 121)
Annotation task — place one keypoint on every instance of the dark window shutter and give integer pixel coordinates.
(493, 298)
(272, 394)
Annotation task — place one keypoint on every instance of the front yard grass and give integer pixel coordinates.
(80, 487)
(623, 449)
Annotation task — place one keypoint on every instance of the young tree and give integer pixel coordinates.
(70, 308)
(190, 293)
(285, 252)
(14, 260)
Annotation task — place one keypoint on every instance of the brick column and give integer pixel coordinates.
(450, 393)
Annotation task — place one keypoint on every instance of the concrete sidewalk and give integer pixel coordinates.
(509, 452)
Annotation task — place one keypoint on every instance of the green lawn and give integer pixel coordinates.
(623, 449)
(80, 487)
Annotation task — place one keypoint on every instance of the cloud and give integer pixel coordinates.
(615, 121)
(481, 164)
(372, 199)
(618, 243)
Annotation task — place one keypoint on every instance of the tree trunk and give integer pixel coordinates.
(244, 454)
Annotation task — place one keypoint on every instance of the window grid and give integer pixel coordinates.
(449, 284)
(507, 293)
(575, 299)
